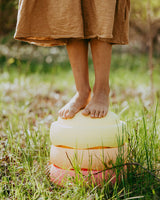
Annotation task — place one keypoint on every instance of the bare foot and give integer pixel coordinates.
(78, 102)
(98, 106)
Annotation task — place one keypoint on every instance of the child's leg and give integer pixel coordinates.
(78, 56)
(101, 54)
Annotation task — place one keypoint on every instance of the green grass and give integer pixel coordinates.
(30, 98)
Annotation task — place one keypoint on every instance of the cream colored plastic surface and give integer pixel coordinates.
(85, 132)
(94, 159)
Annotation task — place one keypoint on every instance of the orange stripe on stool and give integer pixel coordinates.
(98, 147)
(95, 159)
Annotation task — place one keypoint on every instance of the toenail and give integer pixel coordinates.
(93, 112)
(97, 113)
(93, 115)
(103, 114)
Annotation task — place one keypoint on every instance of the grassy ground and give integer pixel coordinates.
(29, 101)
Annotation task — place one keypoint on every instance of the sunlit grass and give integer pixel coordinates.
(29, 104)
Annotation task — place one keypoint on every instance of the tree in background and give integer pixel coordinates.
(8, 16)
(145, 19)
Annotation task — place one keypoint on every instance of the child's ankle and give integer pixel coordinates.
(101, 89)
(85, 91)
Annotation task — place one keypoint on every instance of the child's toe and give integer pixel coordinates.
(85, 111)
(66, 113)
(63, 114)
(105, 113)
(97, 113)
(101, 114)
(71, 114)
(93, 113)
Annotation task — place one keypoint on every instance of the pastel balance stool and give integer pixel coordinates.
(88, 144)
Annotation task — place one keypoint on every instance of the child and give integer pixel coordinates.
(76, 24)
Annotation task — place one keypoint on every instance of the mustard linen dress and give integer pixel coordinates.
(54, 22)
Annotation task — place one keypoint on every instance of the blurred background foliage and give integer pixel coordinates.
(8, 14)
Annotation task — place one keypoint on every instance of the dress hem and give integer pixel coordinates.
(52, 40)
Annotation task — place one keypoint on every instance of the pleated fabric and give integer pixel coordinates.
(55, 22)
